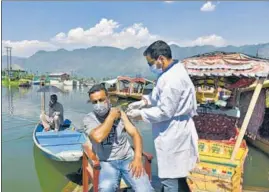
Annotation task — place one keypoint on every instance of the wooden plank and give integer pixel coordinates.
(247, 117)
(85, 177)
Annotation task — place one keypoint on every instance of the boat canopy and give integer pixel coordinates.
(142, 81)
(124, 79)
(236, 70)
(111, 82)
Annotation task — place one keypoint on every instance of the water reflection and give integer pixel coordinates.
(10, 96)
(51, 174)
(13, 93)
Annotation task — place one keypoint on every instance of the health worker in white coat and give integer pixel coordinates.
(170, 108)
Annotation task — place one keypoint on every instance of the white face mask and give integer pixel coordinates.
(101, 108)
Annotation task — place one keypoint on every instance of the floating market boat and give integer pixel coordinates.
(222, 149)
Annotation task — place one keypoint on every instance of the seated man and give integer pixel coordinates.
(108, 129)
(55, 117)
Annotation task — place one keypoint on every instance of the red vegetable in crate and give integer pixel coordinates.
(215, 126)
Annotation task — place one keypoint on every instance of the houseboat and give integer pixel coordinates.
(129, 88)
(60, 79)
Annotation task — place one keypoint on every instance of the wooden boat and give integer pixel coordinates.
(221, 161)
(64, 145)
(24, 83)
(128, 88)
(12, 82)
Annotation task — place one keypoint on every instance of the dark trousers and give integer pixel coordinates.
(175, 185)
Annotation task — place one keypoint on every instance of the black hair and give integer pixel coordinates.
(53, 96)
(96, 88)
(158, 48)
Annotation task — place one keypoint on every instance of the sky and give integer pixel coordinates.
(32, 26)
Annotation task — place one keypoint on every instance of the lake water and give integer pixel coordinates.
(25, 169)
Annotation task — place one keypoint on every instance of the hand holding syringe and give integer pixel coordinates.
(123, 107)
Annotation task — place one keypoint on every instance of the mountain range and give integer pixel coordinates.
(101, 62)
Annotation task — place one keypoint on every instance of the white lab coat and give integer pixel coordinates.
(173, 104)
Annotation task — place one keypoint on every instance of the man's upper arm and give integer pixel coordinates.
(130, 128)
(89, 124)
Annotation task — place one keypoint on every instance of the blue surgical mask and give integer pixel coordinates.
(101, 108)
(154, 69)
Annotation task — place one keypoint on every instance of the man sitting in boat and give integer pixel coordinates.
(108, 129)
(55, 117)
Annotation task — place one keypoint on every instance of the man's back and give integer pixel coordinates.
(177, 78)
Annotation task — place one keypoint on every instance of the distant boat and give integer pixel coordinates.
(64, 145)
(56, 82)
(36, 80)
(129, 88)
(68, 82)
(24, 83)
(61, 79)
(40, 80)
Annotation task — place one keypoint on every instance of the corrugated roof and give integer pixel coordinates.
(226, 64)
(124, 78)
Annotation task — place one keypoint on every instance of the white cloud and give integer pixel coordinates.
(208, 6)
(105, 33)
(169, 1)
(27, 48)
(214, 40)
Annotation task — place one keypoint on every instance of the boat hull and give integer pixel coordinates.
(68, 83)
(25, 85)
(64, 146)
(56, 82)
(260, 143)
(36, 82)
